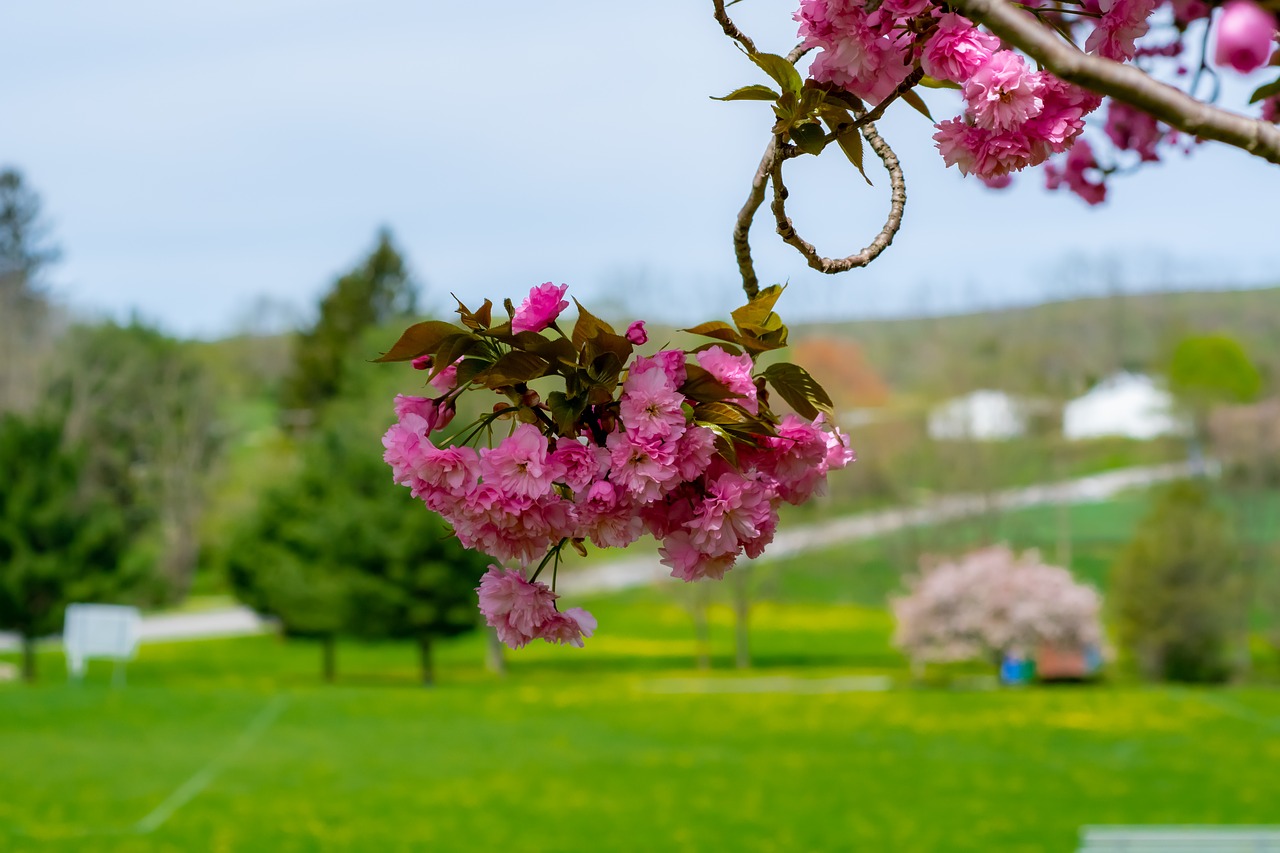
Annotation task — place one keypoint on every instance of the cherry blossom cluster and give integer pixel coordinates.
(681, 446)
(992, 602)
(1014, 115)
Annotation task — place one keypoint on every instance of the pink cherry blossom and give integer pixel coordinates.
(569, 627)
(669, 361)
(435, 414)
(651, 407)
(734, 373)
(513, 606)
(1003, 93)
(636, 333)
(956, 49)
(540, 308)
(1246, 32)
(581, 464)
(519, 464)
(644, 469)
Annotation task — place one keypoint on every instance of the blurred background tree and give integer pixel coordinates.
(25, 312)
(1178, 591)
(334, 550)
(60, 542)
(378, 290)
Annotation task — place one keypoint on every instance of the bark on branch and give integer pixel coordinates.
(897, 203)
(1125, 83)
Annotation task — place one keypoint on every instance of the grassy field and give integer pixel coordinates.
(824, 745)
(233, 745)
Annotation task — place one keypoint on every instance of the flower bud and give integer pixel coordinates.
(1245, 33)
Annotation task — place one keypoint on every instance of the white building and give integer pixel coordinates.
(1129, 405)
(979, 416)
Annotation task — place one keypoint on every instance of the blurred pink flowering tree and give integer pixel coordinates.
(993, 602)
(1031, 79)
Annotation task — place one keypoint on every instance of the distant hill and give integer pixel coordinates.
(1059, 347)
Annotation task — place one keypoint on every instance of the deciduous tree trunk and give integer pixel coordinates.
(741, 612)
(425, 660)
(328, 647)
(28, 659)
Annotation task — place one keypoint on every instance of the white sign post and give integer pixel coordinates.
(100, 631)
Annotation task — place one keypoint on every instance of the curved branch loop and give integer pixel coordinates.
(897, 203)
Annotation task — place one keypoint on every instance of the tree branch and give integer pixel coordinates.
(897, 203)
(742, 228)
(1125, 83)
(731, 29)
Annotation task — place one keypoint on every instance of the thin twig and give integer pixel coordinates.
(866, 118)
(1126, 83)
(797, 53)
(731, 29)
(897, 203)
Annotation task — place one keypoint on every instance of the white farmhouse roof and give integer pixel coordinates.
(981, 415)
(1126, 404)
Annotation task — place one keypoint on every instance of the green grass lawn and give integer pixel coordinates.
(622, 745)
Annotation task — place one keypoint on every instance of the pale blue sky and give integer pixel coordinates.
(194, 156)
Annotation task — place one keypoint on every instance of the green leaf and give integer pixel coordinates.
(555, 349)
(469, 367)
(724, 345)
(838, 119)
(809, 137)
(917, 103)
(565, 411)
(715, 329)
(450, 350)
(782, 72)
(514, 367)
(755, 92)
(477, 320)
(588, 326)
(846, 99)
(701, 386)
(758, 342)
(934, 83)
(1266, 90)
(724, 444)
(722, 413)
(420, 339)
(758, 310)
(801, 391)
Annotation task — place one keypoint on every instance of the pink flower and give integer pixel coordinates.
(422, 362)
(734, 373)
(540, 308)
(636, 333)
(1003, 93)
(651, 407)
(581, 464)
(644, 469)
(688, 563)
(434, 415)
(1123, 22)
(669, 361)
(1131, 129)
(956, 49)
(735, 510)
(1245, 34)
(569, 627)
(519, 464)
(1077, 174)
(447, 379)
(694, 452)
(515, 607)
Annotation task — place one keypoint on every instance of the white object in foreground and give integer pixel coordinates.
(1167, 839)
(99, 631)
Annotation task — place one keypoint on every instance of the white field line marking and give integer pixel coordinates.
(188, 790)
